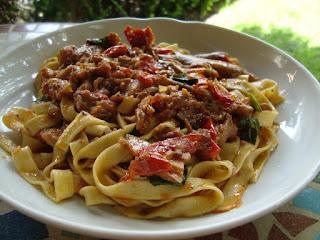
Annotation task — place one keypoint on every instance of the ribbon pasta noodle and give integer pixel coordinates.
(150, 130)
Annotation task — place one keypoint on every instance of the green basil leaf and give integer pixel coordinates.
(156, 180)
(182, 77)
(249, 129)
(102, 42)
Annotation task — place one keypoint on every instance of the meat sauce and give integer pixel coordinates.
(99, 75)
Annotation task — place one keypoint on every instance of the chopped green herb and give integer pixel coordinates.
(254, 102)
(156, 180)
(102, 42)
(179, 75)
(249, 129)
(135, 132)
(182, 77)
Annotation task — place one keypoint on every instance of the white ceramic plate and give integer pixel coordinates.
(294, 163)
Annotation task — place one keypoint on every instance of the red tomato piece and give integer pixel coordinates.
(139, 37)
(209, 125)
(151, 159)
(159, 147)
(149, 166)
(189, 143)
(212, 151)
(192, 142)
(221, 94)
(116, 51)
(164, 51)
(148, 64)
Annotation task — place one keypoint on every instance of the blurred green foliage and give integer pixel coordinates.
(87, 10)
(8, 11)
(292, 43)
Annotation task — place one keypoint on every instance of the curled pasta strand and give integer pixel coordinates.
(61, 184)
(217, 171)
(94, 148)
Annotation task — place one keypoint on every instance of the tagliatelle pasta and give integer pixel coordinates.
(150, 130)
